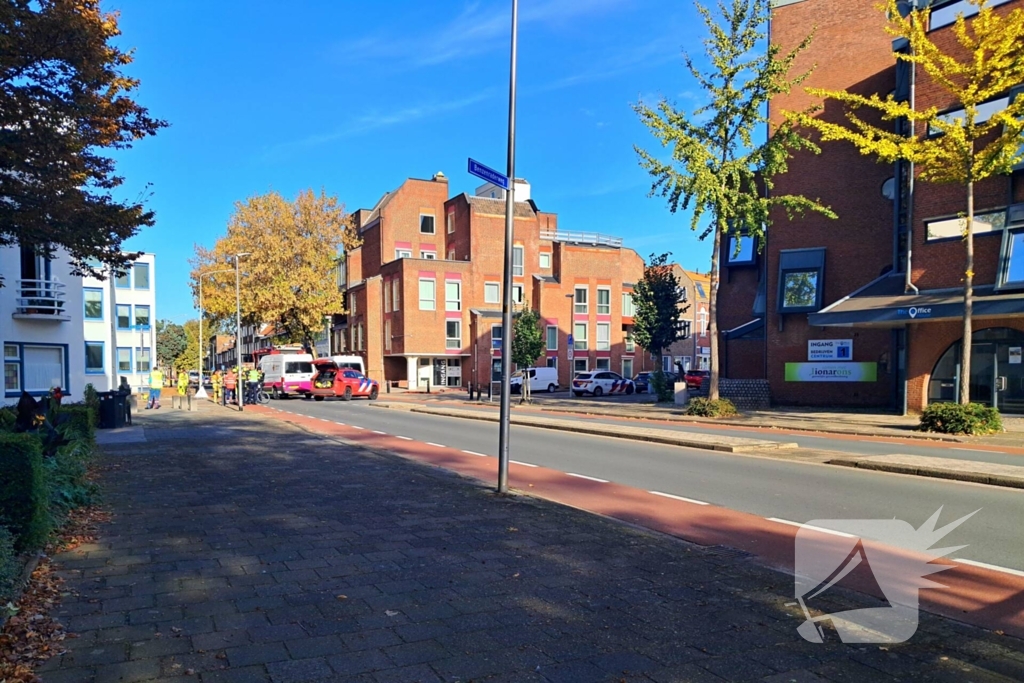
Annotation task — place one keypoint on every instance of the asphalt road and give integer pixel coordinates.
(798, 492)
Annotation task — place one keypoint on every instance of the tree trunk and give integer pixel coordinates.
(965, 347)
(713, 313)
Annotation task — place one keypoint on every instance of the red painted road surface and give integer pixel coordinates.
(991, 599)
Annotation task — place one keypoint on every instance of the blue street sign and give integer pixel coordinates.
(488, 174)
(570, 341)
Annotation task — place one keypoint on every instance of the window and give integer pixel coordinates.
(545, 260)
(627, 368)
(1014, 94)
(93, 304)
(427, 294)
(552, 361)
(517, 261)
(579, 337)
(666, 364)
(124, 317)
(453, 334)
(552, 337)
(427, 224)
(801, 280)
(946, 228)
(604, 301)
(452, 296)
(429, 255)
(700, 290)
(630, 343)
(492, 293)
(142, 317)
(362, 337)
(387, 297)
(496, 370)
(387, 335)
(451, 222)
(946, 14)
(141, 275)
(702, 321)
(604, 331)
(451, 254)
(123, 280)
(94, 358)
(984, 112)
(581, 300)
(579, 365)
(517, 294)
(740, 251)
(628, 307)
(1011, 275)
(142, 360)
(12, 368)
(403, 253)
(396, 285)
(43, 368)
(496, 332)
(604, 364)
(124, 360)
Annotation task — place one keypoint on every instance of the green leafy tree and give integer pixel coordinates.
(718, 165)
(961, 148)
(527, 345)
(188, 359)
(65, 105)
(657, 314)
(170, 342)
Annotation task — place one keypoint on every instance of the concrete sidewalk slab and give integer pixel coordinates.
(712, 442)
(943, 468)
(263, 553)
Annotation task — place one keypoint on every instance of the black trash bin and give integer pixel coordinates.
(112, 409)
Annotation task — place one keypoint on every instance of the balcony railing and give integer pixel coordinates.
(592, 238)
(40, 300)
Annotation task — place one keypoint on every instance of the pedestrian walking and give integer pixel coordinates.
(156, 383)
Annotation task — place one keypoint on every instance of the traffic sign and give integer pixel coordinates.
(488, 174)
(570, 344)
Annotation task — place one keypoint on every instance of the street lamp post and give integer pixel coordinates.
(239, 394)
(506, 312)
(201, 393)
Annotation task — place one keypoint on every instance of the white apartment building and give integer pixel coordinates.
(119, 324)
(40, 325)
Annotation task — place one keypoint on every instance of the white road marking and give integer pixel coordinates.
(993, 567)
(972, 450)
(436, 445)
(475, 453)
(357, 427)
(812, 527)
(583, 476)
(340, 423)
(404, 438)
(526, 464)
(685, 500)
(376, 432)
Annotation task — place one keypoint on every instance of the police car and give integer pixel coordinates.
(602, 382)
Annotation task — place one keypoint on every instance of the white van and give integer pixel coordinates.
(287, 373)
(350, 362)
(541, 379)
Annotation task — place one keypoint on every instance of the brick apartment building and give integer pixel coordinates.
(424, 288)
(842, 312)
(693, 351)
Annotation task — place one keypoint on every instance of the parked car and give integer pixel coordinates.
(330, 381)
(287, 373)
(541, 379)
(601, 382)
(643, 381)
(193, 379)
(694, 378)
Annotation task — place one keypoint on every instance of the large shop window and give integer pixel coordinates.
(801, 280)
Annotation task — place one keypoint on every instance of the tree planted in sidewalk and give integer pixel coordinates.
(657, 315)
(979, 139)
(65, 106)
(527, 345)
(719, 165)
(287, 278)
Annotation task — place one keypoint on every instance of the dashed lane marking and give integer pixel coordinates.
(404, 438)
(436, 445)
(583, 476)
(811, 526)
(482, 455)
(357, 427)
(685, 500)
(527, 464)
(377, 432)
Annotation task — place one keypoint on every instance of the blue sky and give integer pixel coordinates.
(354, 97)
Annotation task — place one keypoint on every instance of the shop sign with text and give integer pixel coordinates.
(829, 349)
(831, 372)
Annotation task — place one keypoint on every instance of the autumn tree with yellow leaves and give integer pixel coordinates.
(287, 279)
(973, 142)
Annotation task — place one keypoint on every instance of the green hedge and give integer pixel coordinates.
(954, 418)
(77, 421)
(24, 494)
(705, 407)
(10, 567)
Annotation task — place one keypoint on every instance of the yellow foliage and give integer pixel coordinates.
(287, 278)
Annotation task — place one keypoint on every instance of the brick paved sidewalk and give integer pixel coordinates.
(243, 549)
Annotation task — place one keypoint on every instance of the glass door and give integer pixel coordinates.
(1010, 367)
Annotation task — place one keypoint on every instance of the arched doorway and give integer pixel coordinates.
(997, 371)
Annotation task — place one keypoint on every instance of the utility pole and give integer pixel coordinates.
(506, 305)
(239, 391)
(201, 392)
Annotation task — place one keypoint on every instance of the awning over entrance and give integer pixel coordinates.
(883, 303)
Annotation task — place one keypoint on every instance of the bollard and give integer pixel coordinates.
(428, 385)
(387, 387)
